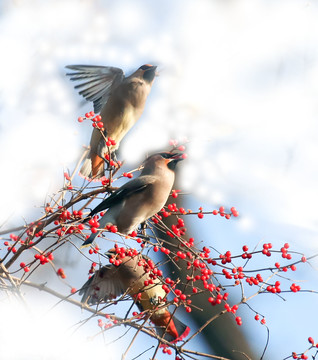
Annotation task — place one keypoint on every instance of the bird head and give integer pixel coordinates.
(171, 159)
(161, 160)
(148, 72)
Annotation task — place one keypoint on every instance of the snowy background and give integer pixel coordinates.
(238, 79)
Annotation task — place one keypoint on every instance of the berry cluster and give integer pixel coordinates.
(312, 349)
(205, 269)
(96, 119)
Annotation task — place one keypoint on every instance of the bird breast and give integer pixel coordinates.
(134, 278)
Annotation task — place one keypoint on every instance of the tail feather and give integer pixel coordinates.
(170, 329)
(97, 167)
(93, 168)
(85, 290)
(88, 241)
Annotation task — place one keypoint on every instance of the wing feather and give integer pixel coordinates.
(128, 189)
(103, 286)
(96, 82)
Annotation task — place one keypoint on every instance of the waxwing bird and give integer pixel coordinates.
(120, 101)
(138, 199)
(133, 277)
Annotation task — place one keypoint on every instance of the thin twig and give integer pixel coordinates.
(135, 336)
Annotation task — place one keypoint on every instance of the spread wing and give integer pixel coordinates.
(128, 189)
(103, 286)
(96, 82)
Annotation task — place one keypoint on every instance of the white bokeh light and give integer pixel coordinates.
(40, 334)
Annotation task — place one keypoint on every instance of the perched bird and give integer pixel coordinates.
(139, 199)
(133, 277)
(120, 101)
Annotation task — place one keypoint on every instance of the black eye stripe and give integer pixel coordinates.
(146, 67)
(166, 155)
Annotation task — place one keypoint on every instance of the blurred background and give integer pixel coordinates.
(238, 80)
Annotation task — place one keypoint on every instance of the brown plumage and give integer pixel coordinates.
(139, 199)
(129, 277)
(120, 101)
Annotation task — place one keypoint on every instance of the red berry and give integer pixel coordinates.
(311, 340)
(80, 227)
(238, 320)
(200, 215)
(113, 229)
(93, 230)
(26, 269)
(22, 264)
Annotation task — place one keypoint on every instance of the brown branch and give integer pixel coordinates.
(135, 336)
(51, 219)
(205, 325)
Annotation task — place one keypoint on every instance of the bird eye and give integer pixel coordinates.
(166, 155)
(145, 67)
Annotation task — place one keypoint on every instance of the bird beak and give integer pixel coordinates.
(173, 160)
(176, 157)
